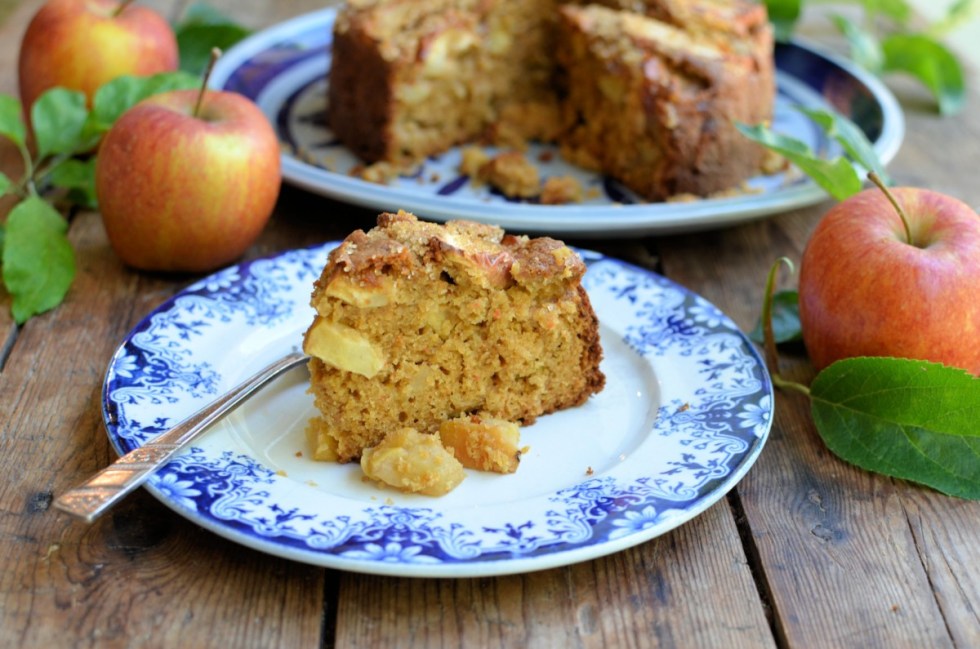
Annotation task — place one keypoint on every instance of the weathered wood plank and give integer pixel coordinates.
(192, 586)
(946, 538)
(831, 544)
(691, 587)
(141, 576)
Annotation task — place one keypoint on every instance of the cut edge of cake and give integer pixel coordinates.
(462, 55)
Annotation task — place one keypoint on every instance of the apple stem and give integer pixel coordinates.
(215, 54)
(768, 339)
(873, 177)
(27, 185)
(791, 386)
(122, 7)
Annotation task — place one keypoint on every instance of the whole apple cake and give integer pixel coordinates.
(411, 78)
(418, 324)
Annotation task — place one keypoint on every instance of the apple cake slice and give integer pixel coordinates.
(420, 323)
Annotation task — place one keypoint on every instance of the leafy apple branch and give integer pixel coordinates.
(38, 262)
(37, 258)
(841, 176)
(907, 419)
(885, 41)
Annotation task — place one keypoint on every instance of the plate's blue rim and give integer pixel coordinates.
(561, 555)
(594, 220)
(109, 408)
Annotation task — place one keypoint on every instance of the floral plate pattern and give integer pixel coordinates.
(685, 413)
(285, 70)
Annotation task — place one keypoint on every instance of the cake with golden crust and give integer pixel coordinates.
(655, 105)
(420, 323)
(411, 78)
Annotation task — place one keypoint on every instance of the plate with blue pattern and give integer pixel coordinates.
(285, 70)
(685, 413)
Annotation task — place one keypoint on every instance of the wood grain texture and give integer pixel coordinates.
(142, 576)
(807, 552)
(691, 587)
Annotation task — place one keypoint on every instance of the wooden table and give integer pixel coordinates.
(806, 551)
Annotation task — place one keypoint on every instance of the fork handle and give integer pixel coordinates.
(107, 487)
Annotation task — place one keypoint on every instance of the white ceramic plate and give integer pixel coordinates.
(685, 413)
(285, 69)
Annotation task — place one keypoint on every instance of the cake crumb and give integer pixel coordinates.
(509, 172)
(380, 173)
(414, 462)
(558, 190)
(483, 442)
(471, 159)
(513, 174)
(773, 162)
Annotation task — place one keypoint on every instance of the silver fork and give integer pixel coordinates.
(107, 487)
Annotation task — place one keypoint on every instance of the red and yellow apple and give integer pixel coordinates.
(83, 44)
(182, 189)
(868, 287)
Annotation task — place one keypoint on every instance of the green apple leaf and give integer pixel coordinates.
(785, 319)
(58, 117)
(913, 420)
(38, 260)
(202, 29)
(850, 136)
(783, 15)
(202, 13)
(931, 63)
(122, 93)
(5, 183)
(78, 177)
(11, 122)
(898, 10)
(195, 43)
(837, 177)
(865, 48)
(958, 13)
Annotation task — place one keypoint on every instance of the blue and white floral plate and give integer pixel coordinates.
(285, 69)
(685, 413)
